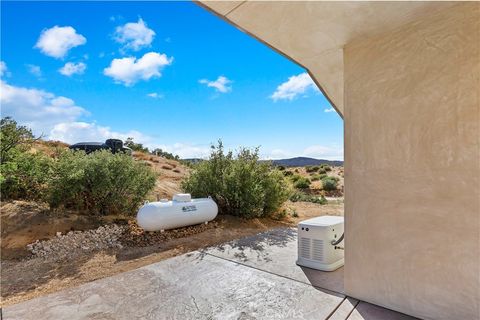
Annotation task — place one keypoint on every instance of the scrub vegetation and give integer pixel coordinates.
(98, 183)
(239, 184)
(67, 217)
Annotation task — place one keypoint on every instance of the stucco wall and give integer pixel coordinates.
(412, 166)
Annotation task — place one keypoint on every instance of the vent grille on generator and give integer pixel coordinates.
(305, 244)
(317, 250)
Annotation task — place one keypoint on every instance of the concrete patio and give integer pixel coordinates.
(250, 278)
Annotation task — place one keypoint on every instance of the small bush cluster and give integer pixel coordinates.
(300, 196)
(98, 183)
(329, 183)
(240, 184)
(26, 176)
(311, 169)
(317, 177)
(326, 167)
(302, 183)
(101, 182)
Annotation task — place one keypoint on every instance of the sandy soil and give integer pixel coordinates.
(25, 278)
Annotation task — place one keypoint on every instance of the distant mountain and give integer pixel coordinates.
(293, 162)
(304, 161)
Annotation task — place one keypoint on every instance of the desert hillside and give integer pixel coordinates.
(57, 249)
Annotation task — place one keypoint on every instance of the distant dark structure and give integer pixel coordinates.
(113, 145)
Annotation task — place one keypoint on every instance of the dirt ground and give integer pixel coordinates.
(24, 278)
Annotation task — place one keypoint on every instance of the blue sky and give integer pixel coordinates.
(169, 74)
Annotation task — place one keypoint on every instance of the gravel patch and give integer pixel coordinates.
(74, 242)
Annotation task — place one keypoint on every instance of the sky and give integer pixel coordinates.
(169, 74)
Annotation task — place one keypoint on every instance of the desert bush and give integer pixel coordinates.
(240, 184)
(301, 196)
(135, 146)
(326, 167)
(25, 176)
(159, 152)
(100, 183)
(322, 171)
(329, 183)
(287, 173)
(311, 169)
(295, 177)
(302, 183)
(281, 168)
(317, 177)
(13, 138)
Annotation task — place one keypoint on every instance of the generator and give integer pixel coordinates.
(320, 243)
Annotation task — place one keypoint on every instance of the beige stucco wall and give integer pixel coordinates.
(412, 166)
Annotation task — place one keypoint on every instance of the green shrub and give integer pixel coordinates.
(322, 171)
(311, 169)
(101, 182)
(167, 155)
(25, 176)
(317, 177)
(240, 185)
(13, 138)
(302, 183)
(329, 183)
(287, 173)
(326, 167)
(281, 168)
(301, 196)
(135, 146)
(295, 177)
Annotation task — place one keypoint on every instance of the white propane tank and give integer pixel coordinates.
(180, 212)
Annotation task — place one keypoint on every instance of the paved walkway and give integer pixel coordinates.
(251, 278)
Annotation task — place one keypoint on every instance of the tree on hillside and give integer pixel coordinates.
(135, 146)
(11, 136)
(159, 152)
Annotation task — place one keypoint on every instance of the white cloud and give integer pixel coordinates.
(57, 41)
(130, 70)
(73, 132)
(329, 110)
(293, 87)
(155, 95)
(71, 68)
(323, 152)
(35, 70)
(58, 118)
(186, 150)
(220, 85)
(277, 154)
(134, 35)
(3, 68)
(38, 109)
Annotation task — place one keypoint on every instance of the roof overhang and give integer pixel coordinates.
(314, 33)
